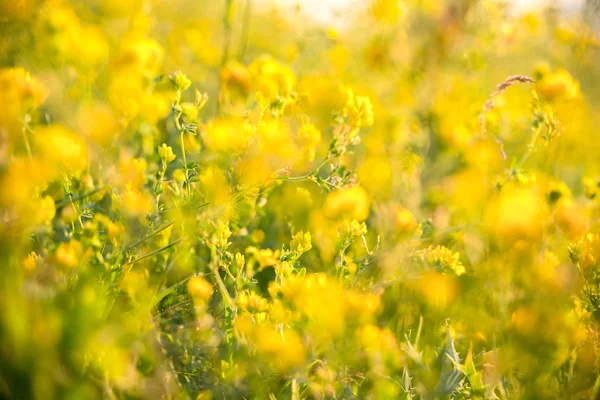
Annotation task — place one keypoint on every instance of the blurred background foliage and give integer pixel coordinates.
(400, 201)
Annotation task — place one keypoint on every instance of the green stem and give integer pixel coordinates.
(245, 29)
(227, 25)
(153, 253)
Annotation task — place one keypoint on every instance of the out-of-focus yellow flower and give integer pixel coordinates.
(236, 81)
(20, 94)
(283, 350)
(227, 135)
(321, 96)
(68, 254)
(272, 78)
(98, 122)
(388, 11)
(90, 48)
(214, 184)
(375, 174)
(132, 171)
(266, 258)
(45, 210)
(353, 203)
(571, 217)
(517, 214)
(525, 320)
(438, 289)
(140, 56)
(404, 221)
(558, 85)
(30, 262)
(18, 88)
(136, 203)
(12, 11)
(199, 288)
(61, 149)
(25, 178)
(309, 137)
(252, 302)
(374, 339)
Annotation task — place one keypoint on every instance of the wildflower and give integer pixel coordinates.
(30, 262)
(140, 57)
(166, 153)
(228, 135)
(45, 210)
(443, 258)
(68, 254)
(301, 242)
(309, 137)
(272, 78)
(358, 110)
(386, 10)
(556, 85)
(266, 258)
(404, 221)
(591, 187)
(517, 214)
(586, 251)
(199, 288)
(354, 229)
(252, 302)
(437, 289)
(214, 184)
(353, 203)
(63, 150)
(236, 80)
(180, 81)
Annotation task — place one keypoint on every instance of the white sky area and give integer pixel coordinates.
(324, 10)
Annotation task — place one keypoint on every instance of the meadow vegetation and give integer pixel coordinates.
(228, 199)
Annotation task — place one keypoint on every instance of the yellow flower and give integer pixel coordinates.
(68, 254)
(358, 110)
(98, 122)
(266, 258)
(45, 210)
(301, 242)
(437, 289)
(252, 302)
(283, 350)
(180, 81)
(517, 214)
(140, 56)
(63, 150)
(586, 251)
(229, 135)
(404, 221)
(20, 93)
(271, 78)
(30, 262)
(199, 288)
(443, 258)
(309, 138)
(166, 153)
(557, 85)
(214, 184)
(353, 203)
(386, 10)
